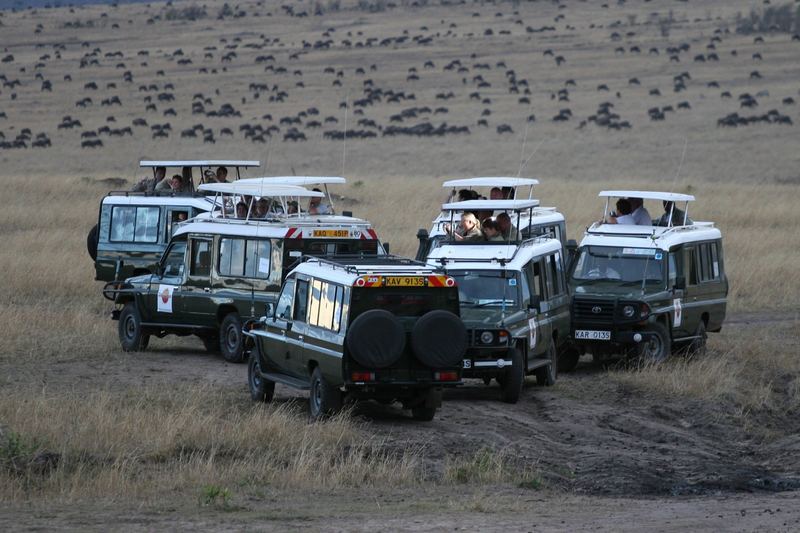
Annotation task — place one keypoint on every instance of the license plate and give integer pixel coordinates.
(592, 335)
(405, 281)
(336, 233)
(467, 363)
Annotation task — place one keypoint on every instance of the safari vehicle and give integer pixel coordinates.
(646, 290)
(219, 272)
(538, 221)
(381, 328)
(514, 302)
(134, 228)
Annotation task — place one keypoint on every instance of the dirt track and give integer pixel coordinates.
(587, 435)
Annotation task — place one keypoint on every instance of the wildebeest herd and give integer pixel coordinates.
(375, 102)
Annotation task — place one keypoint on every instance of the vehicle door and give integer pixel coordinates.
(681, 266)
(709, 288)
(557, 308)
(321, 343)
(160, 304)
(284, 345)
(194, 296)
(538, 309)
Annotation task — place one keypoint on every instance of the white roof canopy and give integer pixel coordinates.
(201, 163)
(491, 182)
(254, 189)
(295, 180)
(490, 205)
(649, 195)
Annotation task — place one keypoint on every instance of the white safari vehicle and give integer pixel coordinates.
(513, 297)
(220, 271)
(646, 289)
(133, 228)
(532, 222)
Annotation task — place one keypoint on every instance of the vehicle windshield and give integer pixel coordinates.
(487, 288)
(626, 266)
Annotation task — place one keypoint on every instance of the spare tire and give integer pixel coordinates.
(439, 339)
(91, 243)
(376, 339)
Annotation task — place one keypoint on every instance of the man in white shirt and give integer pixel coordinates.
(640, 215)
(623, 213)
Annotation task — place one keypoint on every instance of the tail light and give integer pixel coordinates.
(445, 376)
(362, 376)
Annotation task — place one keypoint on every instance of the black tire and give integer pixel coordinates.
(658, 345)
(323, 398)
(423, 414)
(231, 338)
(513, 377)
(568, 359)
(698, 345)
(91, 242)
(439, 339)
(131, 334)
(547, 375)
(376, 339)
(261, 390)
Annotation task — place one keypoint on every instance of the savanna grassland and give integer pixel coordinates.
(91, 436)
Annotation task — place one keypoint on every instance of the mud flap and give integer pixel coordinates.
(433, 398)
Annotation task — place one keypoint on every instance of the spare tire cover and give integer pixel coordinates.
(439, 339)
(376, 339)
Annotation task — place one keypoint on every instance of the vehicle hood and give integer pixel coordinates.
(144, 279)
(488, 317)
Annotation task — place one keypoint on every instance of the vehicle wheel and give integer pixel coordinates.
(323, 398)
(231, 338)
(423, 414)
(513, 378)
(131, 336)
(698, 346)
(546, 375)
(91, 243)
(211, 343)
(568, 359)
(658, 345)
(261, 390)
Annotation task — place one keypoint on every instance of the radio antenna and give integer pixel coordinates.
(680, 165)
(344, 139)
(530, 156)
(524, 140)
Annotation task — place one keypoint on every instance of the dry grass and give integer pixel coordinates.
(754, 370)
(144, 443)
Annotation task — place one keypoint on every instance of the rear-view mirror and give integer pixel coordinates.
(680, 283)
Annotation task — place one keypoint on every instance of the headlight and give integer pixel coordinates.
(487, 337)
(628, 311)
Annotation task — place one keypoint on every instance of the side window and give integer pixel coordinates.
(174, 218)
(134, 224)
(245, 258)
(301, 300)
(284, 309)
(317, 288)
(201, 258)
(716, 271)
(691, 254)
(709, 262)
(554, 286)
(525, 286)
(337, 308)
(174, 261)
(673, 268)
(326, 306)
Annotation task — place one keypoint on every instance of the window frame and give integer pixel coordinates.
(135, 217)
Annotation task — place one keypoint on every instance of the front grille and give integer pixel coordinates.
(593, 310)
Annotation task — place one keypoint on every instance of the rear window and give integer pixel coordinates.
(403, 301)
(134, 224)
(332, 247)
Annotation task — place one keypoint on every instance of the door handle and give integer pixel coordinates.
(299, 337)
(206, 289)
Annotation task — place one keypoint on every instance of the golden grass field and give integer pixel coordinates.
(134, 442)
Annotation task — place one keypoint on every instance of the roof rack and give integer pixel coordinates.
(154, 194)
(525, 243)
(200, 163)
(359, 264)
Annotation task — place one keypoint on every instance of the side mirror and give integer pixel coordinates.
(680, 283)
(535, 302)
(160, 270)
(269, 311)
(386, 247)
(347, 213)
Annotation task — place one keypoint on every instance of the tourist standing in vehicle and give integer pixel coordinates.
(174, 185)
(222, 174)
(622, 214)
(149, 184)
(640, 215)
(316, 207)
(678, 216)
(507, 229)
(468, 230)
(491, 230)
